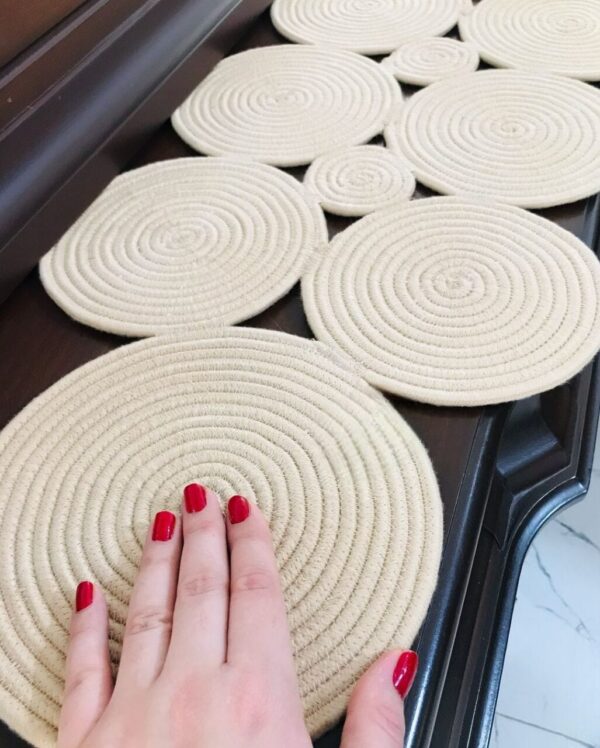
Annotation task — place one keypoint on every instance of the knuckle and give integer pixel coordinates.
(87, 674)
(257, 579)
(214, 526)
(153, 564)
(199, 585)
(148, 619)
(252, 698)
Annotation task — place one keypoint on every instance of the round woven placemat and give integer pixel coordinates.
(288, 104)
(372, 27)
(424, 61)
(554, 36)
(358, 180)
(523, 138)
(184, 242)
(453, 301)
(347, 487)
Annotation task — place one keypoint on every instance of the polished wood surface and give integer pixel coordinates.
(22, 23)
(39, 344)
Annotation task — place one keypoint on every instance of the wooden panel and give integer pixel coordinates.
(60, 152)
(22, 23)
(39, 344)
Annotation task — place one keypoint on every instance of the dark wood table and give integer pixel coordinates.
(502, 470)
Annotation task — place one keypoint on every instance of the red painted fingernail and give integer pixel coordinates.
(238, 508)
(84, 596)
(195, 498)
(164, 526)
(405, 671)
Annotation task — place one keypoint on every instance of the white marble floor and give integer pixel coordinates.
(550, 690)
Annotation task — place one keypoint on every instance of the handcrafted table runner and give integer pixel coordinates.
(347, 487)
(453, 301)
(523, 138)
(286, 105)
(185, 242)
(553, 36)
(372, 27)
(359, 180)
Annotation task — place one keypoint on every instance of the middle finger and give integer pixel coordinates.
(200, 619)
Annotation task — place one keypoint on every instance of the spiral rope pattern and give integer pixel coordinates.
(347, 487)
(358, 180)
(369, 27)
(185, 242)
(424, 61)
(552, 36)
(286, 105)
(523, 138)
(453, 301)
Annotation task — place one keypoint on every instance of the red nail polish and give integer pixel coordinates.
(238, 508)
(405, 671)
(195, 498)
(164, 526)
(84, 596)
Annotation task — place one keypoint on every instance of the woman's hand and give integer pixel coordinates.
(207, 659)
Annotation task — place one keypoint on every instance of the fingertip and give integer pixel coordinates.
(195, 498)
(84, 595)
(375, 713)
(89, 606)
(238, 509)
(201, 509)
(405, 672)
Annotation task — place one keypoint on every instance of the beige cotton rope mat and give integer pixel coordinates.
(286, 105)
(184, 242)
(554, 36)
(453, 301)
(358, 180)
(523, 138)
(372, 27)
(347, 487)
(424, 61)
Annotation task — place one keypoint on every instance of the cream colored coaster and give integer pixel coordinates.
(288, 104)
(452, 301)
(523, 138)
(347, 487)
(184, 242)
(358, 180)
(555, 36)
(373, 27)
(424, 61)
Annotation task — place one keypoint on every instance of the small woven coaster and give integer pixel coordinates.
(347, 487)
(528, 139)
(453, 301)
(184, 242)
(551, 36)
(358, 180)
(424, 61)
(288, 104)
(371, 28)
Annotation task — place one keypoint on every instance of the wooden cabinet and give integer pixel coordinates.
(65, 133)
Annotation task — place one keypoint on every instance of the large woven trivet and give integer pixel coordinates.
(288, 104)
(424, 61)
(523, 138)
(372, 27)
(358, 180)
(458, 302)
(347, 487)
(185, 242)
(554, 36)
